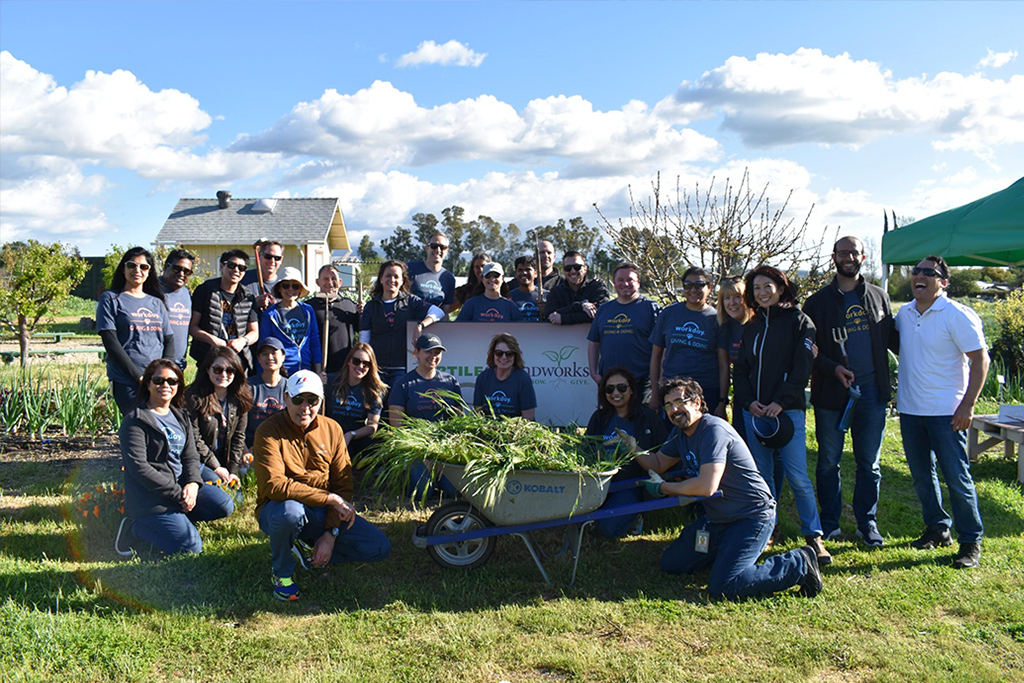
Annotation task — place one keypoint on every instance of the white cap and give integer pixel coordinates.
(305, 382)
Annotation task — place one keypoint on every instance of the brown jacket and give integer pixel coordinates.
(304, 466)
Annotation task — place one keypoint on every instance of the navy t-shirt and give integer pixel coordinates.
(141, 324)
(744, 492)
(480, 309)
(623, 331)
(179, 311)
(411, 392)
(731, 338)
(390, 345)
(266, 400)
(527, 303)
(858, 343)
(175, 435)
(691, 343)
(435, 288)
(509, 397)
(295, 323)
(348, 408)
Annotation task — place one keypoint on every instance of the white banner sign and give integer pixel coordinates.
(555, 356)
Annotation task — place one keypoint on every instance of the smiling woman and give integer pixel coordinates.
(504, 387)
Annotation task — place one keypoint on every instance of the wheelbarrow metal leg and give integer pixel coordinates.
(533, 553)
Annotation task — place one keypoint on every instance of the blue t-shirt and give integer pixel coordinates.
(175, 435)
(266, 400)
(295, 324)
(141, 324)
(510, 396)
(623, 331)
(691, 343)
(744, 492)
(480, 309)
(410, 392)
(731, 338)
(435, 288)
(527, 303)
(179, 311)
(858, 343)
(348, 409)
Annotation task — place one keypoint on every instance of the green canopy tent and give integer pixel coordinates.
(987, 232)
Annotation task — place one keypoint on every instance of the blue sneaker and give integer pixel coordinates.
(870, 535)
(303, 552)
(285, 589)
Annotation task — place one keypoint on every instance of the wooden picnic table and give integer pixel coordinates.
(994, 431)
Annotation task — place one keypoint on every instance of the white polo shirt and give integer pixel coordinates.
(933, 365)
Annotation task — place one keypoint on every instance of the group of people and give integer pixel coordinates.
(663, 377)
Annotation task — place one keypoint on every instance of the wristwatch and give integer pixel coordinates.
(334, 531)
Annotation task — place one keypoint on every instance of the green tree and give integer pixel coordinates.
(35, 281)
(110, 261)
(399, 245)
(366, 252)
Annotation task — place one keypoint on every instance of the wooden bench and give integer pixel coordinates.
(995, 431)
(9, 356)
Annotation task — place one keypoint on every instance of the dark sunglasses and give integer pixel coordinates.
(271, 257)
(573, 267)
(435, 245)
(612, 388)
(182, 270)
(699, 284)
(290, 285)
(312, 399)
(498, 353)
(222, 370)
(930, 272)
(360, 363)
(169, 381)
(132, 265)
(231, 265)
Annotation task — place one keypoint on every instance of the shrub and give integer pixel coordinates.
(1008, 348)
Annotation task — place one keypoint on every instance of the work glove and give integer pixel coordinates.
(627, 442)
(654, 484)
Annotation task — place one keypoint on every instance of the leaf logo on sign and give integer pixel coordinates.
(562, 354)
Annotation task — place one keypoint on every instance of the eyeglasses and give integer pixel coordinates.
(848, 253)
(612, 388)
(182, 270)
(222, 370)
(492, 276)
(231, 265)
(169, 381)
(132, 265)
(678, 403)
(312, 399)
(699, 284)
(930, 272)
(574, 267)
(441, 247)
(498, 353)
(360, 363)
(270, 257)
(290, 285)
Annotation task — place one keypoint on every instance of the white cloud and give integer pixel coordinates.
(997, 59)
(447, 54)
(807, 96)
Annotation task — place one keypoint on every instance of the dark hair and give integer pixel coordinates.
(267, 243)
(378, 288)
(201, 396)
(513, 345)
(234, 253)
(178, 400)
(569, 254)
(689, 387)
(940, 265)
(697, 270)
(849, 238)
(528, 261)
(151, 285)
(626, 266)
(471, 278)
(373, 388)
(177, 255)
(324, 267)
(787, 290)
(604, 407)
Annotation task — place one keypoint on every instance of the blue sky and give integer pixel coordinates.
(526, 112)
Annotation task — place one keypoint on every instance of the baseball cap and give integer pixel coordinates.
(426, 342)
(305, 382)
(272, 342)
(493, 267)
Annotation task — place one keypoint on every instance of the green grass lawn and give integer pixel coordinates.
(72, 611)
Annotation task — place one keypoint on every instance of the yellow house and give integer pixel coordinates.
(310, 229)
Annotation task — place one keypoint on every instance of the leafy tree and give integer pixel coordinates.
(399, 245)
(35, 281)
(963, 282)
(366, 252)
(572, 236)
(110, 261)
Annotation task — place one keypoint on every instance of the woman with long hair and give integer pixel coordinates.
(733, 314)
(134, 325)
(474, 280)
(164, 490)
(390, 307)
(357, 397)
(772, 370)
(505, 387)
(218, 404)
(294, 324)
(620, 408)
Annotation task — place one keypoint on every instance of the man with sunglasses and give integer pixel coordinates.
(270, 256)
(223, 312)
(850, 308)
(430, 280)
(177, 271)
(304, 490)
(575, 299)
(943, 365)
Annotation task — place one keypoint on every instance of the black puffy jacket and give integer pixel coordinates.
(775, 358)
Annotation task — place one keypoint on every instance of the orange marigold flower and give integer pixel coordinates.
(85, 513)
(96, 511)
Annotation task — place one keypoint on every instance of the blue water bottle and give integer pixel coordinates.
(846, 418)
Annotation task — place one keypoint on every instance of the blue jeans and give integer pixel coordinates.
(175, 532)
(931, 439)
(419, 480)
(794, 462)
(866, 433)
(732, 554)
(286, 520)
(125, 396)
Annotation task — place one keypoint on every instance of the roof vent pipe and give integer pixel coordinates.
(223, 197)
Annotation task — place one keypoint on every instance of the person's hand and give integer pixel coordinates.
(653, 485)
(814, 350)
(359, 307)
(773, 409)
(963, 416)
(233, 480)
(595, 376)
(655, 403)
(237, 344)
(188, 496)
(626, 440)
(265, 301)
(344, 508)
(247, 457)
(757, 409)
(719, 411)
(844, 376)
(223, 473)
(555, 318)
(348, 437)
(590, 309)
(323, 549)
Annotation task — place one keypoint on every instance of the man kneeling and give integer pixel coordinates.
(304, 484)
(732, 532)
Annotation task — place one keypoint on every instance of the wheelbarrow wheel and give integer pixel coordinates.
(455, 518)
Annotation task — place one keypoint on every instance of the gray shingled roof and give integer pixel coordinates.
(201, 221)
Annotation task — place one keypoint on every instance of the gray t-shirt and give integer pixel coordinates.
(179, 310)
(141, 324)
(266, 400)
(744, 491)
(175, 435)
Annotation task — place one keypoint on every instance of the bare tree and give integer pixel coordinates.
(726, 233)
